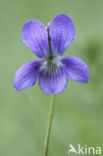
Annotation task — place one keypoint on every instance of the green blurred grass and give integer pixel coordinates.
(78, 114)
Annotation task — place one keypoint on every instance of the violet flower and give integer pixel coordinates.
(49, 43)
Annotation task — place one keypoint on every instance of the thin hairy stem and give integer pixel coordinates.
(47, 137)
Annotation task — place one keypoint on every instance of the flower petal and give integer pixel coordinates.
(35, 37)
(62, 33)
(26, 75)
(77, 70)
(53, 84)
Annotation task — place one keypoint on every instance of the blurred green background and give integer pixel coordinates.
(78, 117)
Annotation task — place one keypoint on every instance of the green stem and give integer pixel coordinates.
(47, 137)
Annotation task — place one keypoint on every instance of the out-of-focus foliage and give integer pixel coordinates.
(78, 114)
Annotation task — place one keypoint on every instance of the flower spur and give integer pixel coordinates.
(49, 43)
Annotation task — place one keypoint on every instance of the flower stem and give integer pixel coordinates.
(47, 137)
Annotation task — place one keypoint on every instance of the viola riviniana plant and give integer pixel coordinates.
(52, 72)
(49, 43)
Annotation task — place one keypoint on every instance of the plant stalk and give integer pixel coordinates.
(47, 137)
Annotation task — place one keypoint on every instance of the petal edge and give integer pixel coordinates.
(26, 75)
(77, 70)
(53, 84)
(35, 37)
(62, 33)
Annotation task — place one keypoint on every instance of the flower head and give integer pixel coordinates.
(49, 43)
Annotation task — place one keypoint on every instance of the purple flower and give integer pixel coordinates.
(49, 43)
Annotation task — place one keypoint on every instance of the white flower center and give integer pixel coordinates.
(51, 65)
